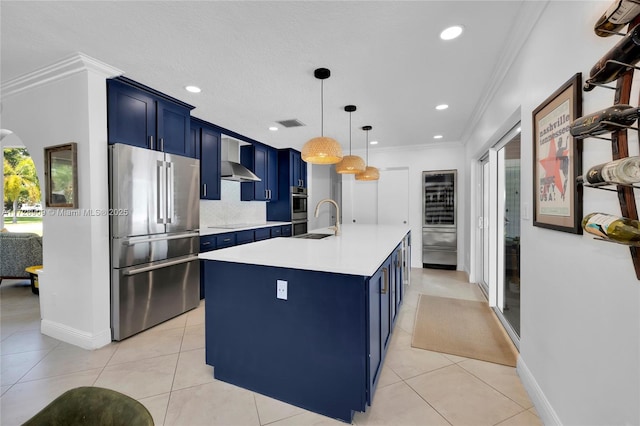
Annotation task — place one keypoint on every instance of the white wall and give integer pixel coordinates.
(442, 156)
(319, 187)
(61, 104)
(580, 314)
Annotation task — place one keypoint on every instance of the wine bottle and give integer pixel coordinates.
(604, 121)
(619, 14)
(620, 229)
(625, 170)
(627, 51)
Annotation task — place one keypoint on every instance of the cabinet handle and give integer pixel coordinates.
(226, 240)
(162, 144)
(204, 185)
(207, 243)
(151, 143)
(386, 281)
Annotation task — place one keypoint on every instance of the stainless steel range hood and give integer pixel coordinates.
(231, 169)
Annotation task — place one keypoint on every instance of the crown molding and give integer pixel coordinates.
(528, 16)
(75, 63)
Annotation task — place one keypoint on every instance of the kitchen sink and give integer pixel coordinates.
(313, 236)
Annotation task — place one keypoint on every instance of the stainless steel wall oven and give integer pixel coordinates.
(298, 203)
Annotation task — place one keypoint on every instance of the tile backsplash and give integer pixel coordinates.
(229, 209)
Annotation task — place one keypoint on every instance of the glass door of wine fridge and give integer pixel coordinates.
(439, 232)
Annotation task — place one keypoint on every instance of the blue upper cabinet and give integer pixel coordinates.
(292, 172)
(298, 169)
(263, 161)
(173, 135)
(206, 139)
(131, 115)
(140, 116)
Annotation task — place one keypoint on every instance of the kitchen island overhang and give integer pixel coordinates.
(322, 348)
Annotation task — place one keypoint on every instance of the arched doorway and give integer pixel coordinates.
(22, 208)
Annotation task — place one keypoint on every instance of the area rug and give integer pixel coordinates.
(462, 327)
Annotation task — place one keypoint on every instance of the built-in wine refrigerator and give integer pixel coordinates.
(439, 228)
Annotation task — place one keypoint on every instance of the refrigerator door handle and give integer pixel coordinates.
(170, 189)
(160, 266)
(153, 240)
(160, 192)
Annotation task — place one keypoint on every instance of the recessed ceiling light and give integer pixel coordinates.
(273, 128)
(373, 143)
(442, 106)
(437, 137)
(193, 89)
(518, 129)
(451, 32)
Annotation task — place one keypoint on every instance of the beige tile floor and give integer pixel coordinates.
(164, 368)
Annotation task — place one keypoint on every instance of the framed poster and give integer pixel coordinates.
(557, 160)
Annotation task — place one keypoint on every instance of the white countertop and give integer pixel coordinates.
(359, 250)
(222, 229)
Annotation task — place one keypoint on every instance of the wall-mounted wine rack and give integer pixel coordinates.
(620, 149)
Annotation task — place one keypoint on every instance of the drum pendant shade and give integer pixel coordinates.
(350, 164)
(322, 150)
(370, 173)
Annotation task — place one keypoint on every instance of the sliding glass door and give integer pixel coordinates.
(509, 214)
(499, 225)
(483, 224)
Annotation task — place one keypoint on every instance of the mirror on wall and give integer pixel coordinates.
(61, 176)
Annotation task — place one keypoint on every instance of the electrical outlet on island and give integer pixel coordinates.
(281, 289)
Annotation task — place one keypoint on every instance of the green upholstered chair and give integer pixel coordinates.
(90, 405)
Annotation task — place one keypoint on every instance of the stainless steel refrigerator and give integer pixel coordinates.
(154, 222)
(439, 231)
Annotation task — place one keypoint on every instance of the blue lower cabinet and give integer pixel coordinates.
(324, 314)
(225, 240)
(207, 243)
(276, 231)
(244, 237)
(262, 234)
(286, 230)
(341, 324)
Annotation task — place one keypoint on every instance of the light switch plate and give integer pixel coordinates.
(281, 289)
(525, 211)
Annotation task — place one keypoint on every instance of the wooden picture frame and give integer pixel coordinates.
(61, 176)
(557, 160)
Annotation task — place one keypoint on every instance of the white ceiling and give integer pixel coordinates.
(254, 60)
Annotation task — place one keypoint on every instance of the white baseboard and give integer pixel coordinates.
(545, 411)
(75, 337)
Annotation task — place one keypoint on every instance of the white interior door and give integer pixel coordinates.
(393, 197)
(359, 200)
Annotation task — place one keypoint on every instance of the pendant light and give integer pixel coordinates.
(370, 173)
(350, 164)
(322, 150)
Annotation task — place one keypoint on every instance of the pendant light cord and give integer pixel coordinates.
(349, 132)
(322, 108)
(367, 148)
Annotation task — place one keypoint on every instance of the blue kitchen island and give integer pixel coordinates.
(306, 321)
